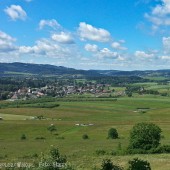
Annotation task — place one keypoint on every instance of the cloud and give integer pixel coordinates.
(142, 54)
(166, 44)
(101, 53)
(42, 47)
(165, 57)
(63, 37)
(6, 43)
(88, 32)
(15, 12)
(106, 53)
(160, 14)
(91, 47)
(118, 46)
(51, 23)
(50, 49)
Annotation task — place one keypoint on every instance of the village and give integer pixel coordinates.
(96, 90)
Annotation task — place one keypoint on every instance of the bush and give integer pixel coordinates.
(161, 149)
(137, 164)
(112, 133)
(52, 157)
(145, 136)
(100, 152)
(23, 137)
(52, 128)
(85, 136)
(40, 138)
(108, 165)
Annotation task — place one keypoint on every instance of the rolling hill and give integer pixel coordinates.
(8, 69)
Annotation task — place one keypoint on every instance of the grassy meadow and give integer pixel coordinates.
(121, 114)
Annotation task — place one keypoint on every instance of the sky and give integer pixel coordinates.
(87, 34)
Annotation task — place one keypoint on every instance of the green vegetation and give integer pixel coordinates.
(85, 136)
(110, 107)
(145, 136)
(112, 133)
(52, 128)
(137, 164)
(23, 137)
(52, 161)
(85, 154)
(108, 165)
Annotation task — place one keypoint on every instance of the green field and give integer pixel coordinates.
(121, 114)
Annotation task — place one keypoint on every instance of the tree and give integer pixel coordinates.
(108, 165)
(137, 164)
(52, 161)
(112, 133)
(145, 136)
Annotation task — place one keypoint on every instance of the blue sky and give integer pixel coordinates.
(87, 34)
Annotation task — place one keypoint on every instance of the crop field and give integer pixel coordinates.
(72, 120)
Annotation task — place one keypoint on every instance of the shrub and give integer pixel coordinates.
(161, 149)
(164, 149)
(85, 136)
(113, 153)
(100, 152)
(52, 128)
(137, 164)
(23, 137)
(52, 157)
(108, 165)
(112, 133)
(40, 138)
(145, 136)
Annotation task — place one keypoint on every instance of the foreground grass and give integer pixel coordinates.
(121, 114)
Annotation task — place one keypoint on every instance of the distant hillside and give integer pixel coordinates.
(8, 69)
(41, 69)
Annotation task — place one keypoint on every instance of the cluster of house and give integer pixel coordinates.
(59, 91)
(26, 93)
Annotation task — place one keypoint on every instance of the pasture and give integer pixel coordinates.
(121, 114)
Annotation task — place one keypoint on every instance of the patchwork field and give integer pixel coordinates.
(95, 118)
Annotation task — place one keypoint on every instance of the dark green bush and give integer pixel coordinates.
(108, 165)
(161, 149)
(137, 164)
(85, 136)
(23, 137)
(112, 133)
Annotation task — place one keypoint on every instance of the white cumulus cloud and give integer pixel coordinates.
(6, 43)
(63, 37)
(143, 54)
(16, 12)
(91, 47)
(88, 32)
(106, 53)
(51, 23)
(118, 46)
(160, 14)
